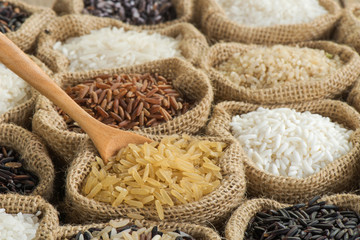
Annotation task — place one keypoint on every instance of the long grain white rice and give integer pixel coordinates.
(13, 90)
(115, 47)
(272, 12)
(289, 143)
(18, 226)
(265, 67)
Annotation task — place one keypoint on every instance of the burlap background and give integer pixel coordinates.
(184, 11)
(192, 45)
(193, 83)
(348, 29)
(21, 114)
(333, 85)
(339, 176)
(213, 208)
(196, 231)
(217, 27)
(49, 222)
(25, 36)
(34, 153)
(239, 220)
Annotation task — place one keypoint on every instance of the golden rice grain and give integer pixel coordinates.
(176, 170)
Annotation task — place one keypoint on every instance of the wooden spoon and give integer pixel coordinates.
(108, 140)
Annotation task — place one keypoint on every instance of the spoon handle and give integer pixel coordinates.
(18, 62)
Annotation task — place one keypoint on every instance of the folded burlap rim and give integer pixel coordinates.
(183, 8)
(329, 87)
(213, 208)
(192, 82)
(218, 27)
(339, 176)
(25, 36)
(348, 29)
(197, 231)
(21, 114)
(238, 222)
(14, 203)
(192, 45)
(35, 156)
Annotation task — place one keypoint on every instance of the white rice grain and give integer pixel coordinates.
(115, 47)
(272, 12)
(305, 145)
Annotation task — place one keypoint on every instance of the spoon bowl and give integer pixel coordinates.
(106, 139)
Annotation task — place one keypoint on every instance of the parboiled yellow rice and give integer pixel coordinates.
(178, 170)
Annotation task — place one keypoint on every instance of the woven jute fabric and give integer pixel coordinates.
(197, 231)
(192, 44)
(191, 82)
(339, 176)
(34, 154)
(48, 224)
(348, 29)
(329, 87)
(237, 224)
(183, 8)
(217, 27)
(21, 114)
(354, 96)
(25, 36)
(213, 208)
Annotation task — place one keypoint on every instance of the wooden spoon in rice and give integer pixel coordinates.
(108, 140)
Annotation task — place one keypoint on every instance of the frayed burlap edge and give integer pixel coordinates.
(26, 35)
(49, 222)
(237, 224)
(21, 114)
(348, 29)
(35, 156)
(196, 231)
(48, 124)
(213, 208)
(339, 176)
(192, 45)
(329, 87)
(217, 27)
(183, 8)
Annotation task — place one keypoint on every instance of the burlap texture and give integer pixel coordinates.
(237, 224)
(13, 204)
(192, 45)
(329, 87)
(217, 27)
(21, 114)
(354, 96)
(183, 8)
(213, 208)
(193, 83)
(339, 176)
(26, 35)
(34, 153)
(348, 29)
(196, 231)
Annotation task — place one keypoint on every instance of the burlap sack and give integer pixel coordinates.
(193, 83)
(213, 208)
(339, 176)
(196, 231)
(35, 156)
(13, 204)
(333, 85)
(348, 29)
(183, 8)
(21, 114)
(217, 27)
(25, 36)
(354, 96)
(192, 45)
(237, 224)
